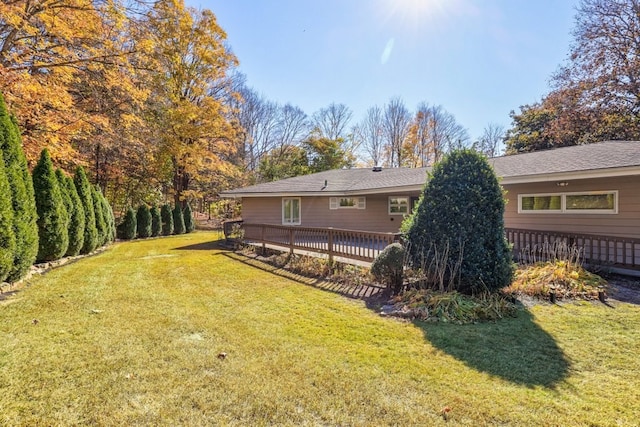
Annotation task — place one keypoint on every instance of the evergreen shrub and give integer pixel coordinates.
(83, 187)
(143, 218)
(7, 236)
(189, 222)
(156, 221)
(52, 215)
(461, 217)
(167, 220)
(178, 220)
(388, 267)
(127, 229)
(76, 219)
(101, 224)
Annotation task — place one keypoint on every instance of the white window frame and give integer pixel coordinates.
(284, 221)
(563, 203)
(408, 205)
(360, 203)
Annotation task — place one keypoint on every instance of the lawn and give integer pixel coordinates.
(133, 336)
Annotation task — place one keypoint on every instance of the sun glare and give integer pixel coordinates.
(413, 14)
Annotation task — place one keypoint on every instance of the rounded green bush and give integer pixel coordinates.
(461, 216)
(388, 267)
(167, 220)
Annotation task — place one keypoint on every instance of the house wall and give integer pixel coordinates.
(315, 212)
(626, 223)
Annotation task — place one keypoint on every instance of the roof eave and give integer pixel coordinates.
(574, 175)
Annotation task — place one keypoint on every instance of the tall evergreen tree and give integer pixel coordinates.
(84, 191)
(7, 237)
(167, 220)
(178, 220)
(127, 230)
(109, 219)
(52, 214)
(189, 222)
(66, 197)
(156, 222)
(77, 220)
(143, 219)
(24, 224)
(101, 225)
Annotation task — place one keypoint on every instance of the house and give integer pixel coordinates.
(591, 190)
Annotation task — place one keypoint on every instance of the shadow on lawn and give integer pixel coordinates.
(515, 349)
(206, 246)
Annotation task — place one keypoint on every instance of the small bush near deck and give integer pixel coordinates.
(388, 267)
(143, 221)
(128, 228)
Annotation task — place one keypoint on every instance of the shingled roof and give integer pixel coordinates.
(611, 158)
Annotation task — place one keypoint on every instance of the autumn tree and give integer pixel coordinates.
(192, 123)
(595, 95)
(52, 215)
(25, 229)
(490, 140)
(287, 162)
(326, 154)
(370, 132)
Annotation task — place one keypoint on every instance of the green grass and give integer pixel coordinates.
(131, 337)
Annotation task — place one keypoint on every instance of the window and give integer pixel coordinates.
(600, 202)
(347, 203)
(398, 205)
(291, 211)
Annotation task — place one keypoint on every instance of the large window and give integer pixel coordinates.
(398, 205)
(347, 203)
(291, 211)
(596, 202)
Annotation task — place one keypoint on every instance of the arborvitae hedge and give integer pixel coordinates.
(66, 198)
(143, 218)
(24, 224)
(52, 214)
(189, 223)
(101, 225)
(156, 221)
(76, 221)
(463, 207)
(167, 220)
(7, 237)
(178, 220)
(84, 191)
(109, 219)
(127, 228)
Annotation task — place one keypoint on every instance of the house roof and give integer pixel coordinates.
(604, 159)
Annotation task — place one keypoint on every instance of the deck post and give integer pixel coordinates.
(264, 248)
(330, 245)
(291, 239)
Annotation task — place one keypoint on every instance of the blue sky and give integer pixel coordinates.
(479, 59)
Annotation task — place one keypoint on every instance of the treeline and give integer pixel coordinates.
(153, 222)
(46, 215)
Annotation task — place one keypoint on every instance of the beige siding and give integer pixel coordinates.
(315, 212)
(625, 223)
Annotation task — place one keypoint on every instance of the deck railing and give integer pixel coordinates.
(334, 242)
(365, 246)
(594, 249)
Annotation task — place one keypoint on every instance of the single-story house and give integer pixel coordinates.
(589, 189)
